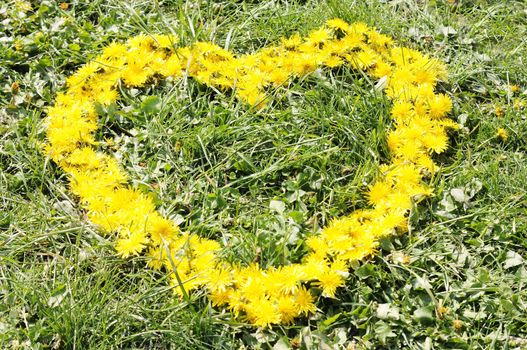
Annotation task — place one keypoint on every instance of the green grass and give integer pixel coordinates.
(260, 182)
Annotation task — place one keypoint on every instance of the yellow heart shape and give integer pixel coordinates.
(262, 296)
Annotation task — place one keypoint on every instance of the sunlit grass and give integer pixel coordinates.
(456, 280)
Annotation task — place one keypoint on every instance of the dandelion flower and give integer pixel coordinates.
(131, 245)
(502, 134)
(379, 192)
(329, 282)
(304, 301)
(262, 313)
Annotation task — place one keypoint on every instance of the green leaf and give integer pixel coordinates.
(424, 314)
(383, 331)
(277, 206)
(387, 312)
(513, 259)
(297, 216)
(74, 47)
(365, 271)
(151, 105)
(281, 344)
(329, 321)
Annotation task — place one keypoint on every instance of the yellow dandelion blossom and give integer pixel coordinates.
(425, 162)
(381, 69)
(161, 230)
(188, 283)
(502, 134)
(364, 245)
(114, 51)
(83, 74)
(425, 75)
(318, 36)
(395, 219)
(337, 23)
(141, 43)
(420, 109)
(284, 280)
(334, 61)
(399, 200)
(85, 158)
(287, 309)
(394, 140)
(157, 258)
(312, 266)
(220, 297)
(304, 301)
(379, 192)
(365, 59)
(262, 313)
(220, 279)
(318, 244)
(131, 244)
(135, 74)
(437, 142)
(253, 288)
(406, 174)
(352, 41)
(359, 28)
(165, 41)
(402, 111)
(329, 281)
(292, 41)
(410, 150)
(402, 75)
(440, 106)
(499, 112)
(518, 104)
(379, 40)
(107, 96)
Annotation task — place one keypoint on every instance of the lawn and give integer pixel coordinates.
(263, 180)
